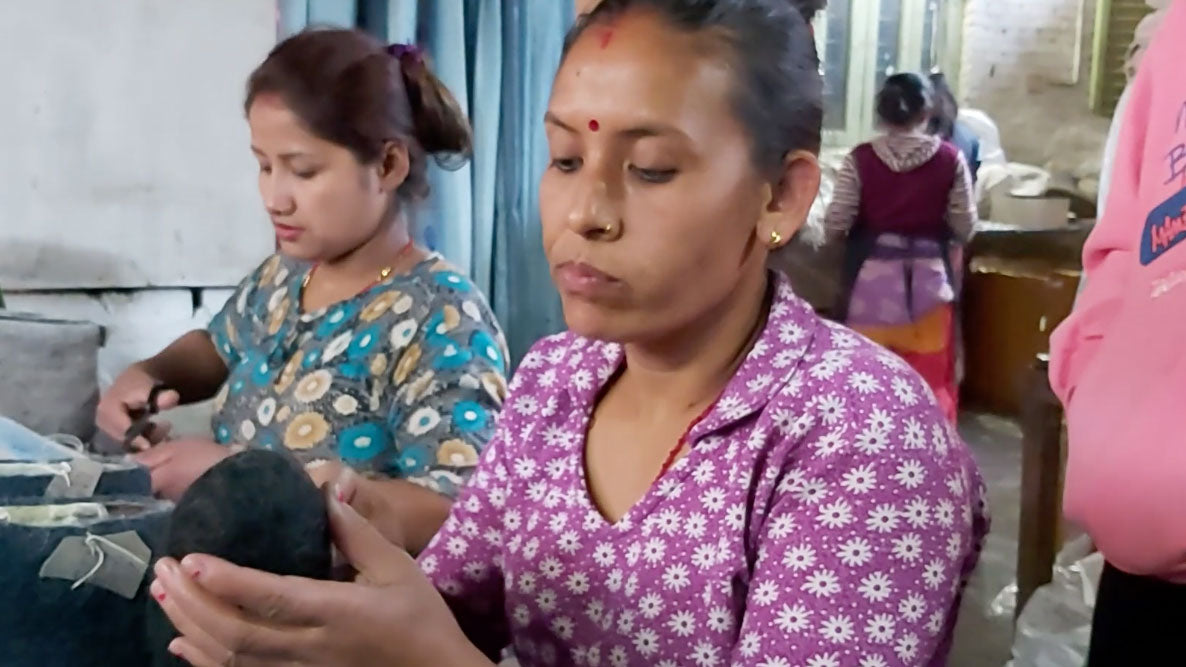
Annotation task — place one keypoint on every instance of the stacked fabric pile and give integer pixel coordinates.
(78, 531)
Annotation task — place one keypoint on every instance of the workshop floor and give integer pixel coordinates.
(983, 639)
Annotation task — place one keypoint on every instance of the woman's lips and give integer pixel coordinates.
(287, 232)
(583, 280)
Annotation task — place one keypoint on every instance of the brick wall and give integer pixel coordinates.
(1027, 63)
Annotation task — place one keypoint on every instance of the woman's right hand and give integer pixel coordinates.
(129, 393)
(391, 615)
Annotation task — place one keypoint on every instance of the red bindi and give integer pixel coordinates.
(594, 125)
(606, 37)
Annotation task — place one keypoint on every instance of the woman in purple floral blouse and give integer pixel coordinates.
(701, 471)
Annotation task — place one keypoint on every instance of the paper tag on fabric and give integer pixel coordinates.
(115, 562)
(78, 482)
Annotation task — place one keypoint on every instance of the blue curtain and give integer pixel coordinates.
(533, 34)
(498, 58)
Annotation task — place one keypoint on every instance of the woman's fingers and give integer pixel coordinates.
(167, 400)
(345, 487)
(113, 419)
(323, 472)
(115, 410)
(200, 643)
(158, 432)
(367, 499)
(282, 601)
(198, 612)
(374, 557)
(189, 652)
(169, 479)
(153, 457)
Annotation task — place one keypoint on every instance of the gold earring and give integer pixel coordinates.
(775, 238)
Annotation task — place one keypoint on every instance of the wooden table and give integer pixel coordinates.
(1020, 285)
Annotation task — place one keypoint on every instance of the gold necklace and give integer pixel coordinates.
(384, 273)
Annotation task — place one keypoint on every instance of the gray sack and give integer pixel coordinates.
(49, 373)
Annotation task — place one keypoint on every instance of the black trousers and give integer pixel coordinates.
(1139, 621)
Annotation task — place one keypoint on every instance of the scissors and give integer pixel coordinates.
(142, 421)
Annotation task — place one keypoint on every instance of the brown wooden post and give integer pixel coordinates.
(1041, 482)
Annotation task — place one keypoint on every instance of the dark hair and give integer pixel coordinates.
(809, 8)
(905, 99)
(349, 89)
(947, 109)
(778, 92)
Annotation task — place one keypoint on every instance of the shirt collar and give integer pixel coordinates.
(767, 368)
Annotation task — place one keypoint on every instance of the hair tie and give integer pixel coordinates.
(409, 51)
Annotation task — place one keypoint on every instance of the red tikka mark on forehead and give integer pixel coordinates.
(594, 125)
(607, 36)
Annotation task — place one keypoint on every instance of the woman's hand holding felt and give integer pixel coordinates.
(391, 615)
(367, 497)
(363, 496)
(175, 464)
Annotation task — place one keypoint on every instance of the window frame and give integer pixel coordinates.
(862, 52)
(1112, 39)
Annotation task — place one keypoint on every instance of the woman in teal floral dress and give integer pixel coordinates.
(351, 346)
(400, 381)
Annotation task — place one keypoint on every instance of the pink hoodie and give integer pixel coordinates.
(1119, 362)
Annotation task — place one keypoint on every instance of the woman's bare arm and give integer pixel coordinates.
(190, 365)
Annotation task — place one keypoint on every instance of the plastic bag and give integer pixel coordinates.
(1054, 628)
(20, 443)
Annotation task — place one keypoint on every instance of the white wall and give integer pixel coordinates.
(138, 324)
(126, 159)
(1020, 61)
(127, 164)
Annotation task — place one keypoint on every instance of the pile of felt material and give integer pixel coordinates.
(119, 477)
(78, 533)
(60, 615)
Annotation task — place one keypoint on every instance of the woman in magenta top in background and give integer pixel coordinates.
(906, 202)
(701, 471)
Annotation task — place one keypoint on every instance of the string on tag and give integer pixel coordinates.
(69, 440)
(58, 469)
(64, 472)
(93, 543)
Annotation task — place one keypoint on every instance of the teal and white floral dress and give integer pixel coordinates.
(402, 381)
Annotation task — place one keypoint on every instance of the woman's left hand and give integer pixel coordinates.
(324, 472)
(391, 615)
(175, 464)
